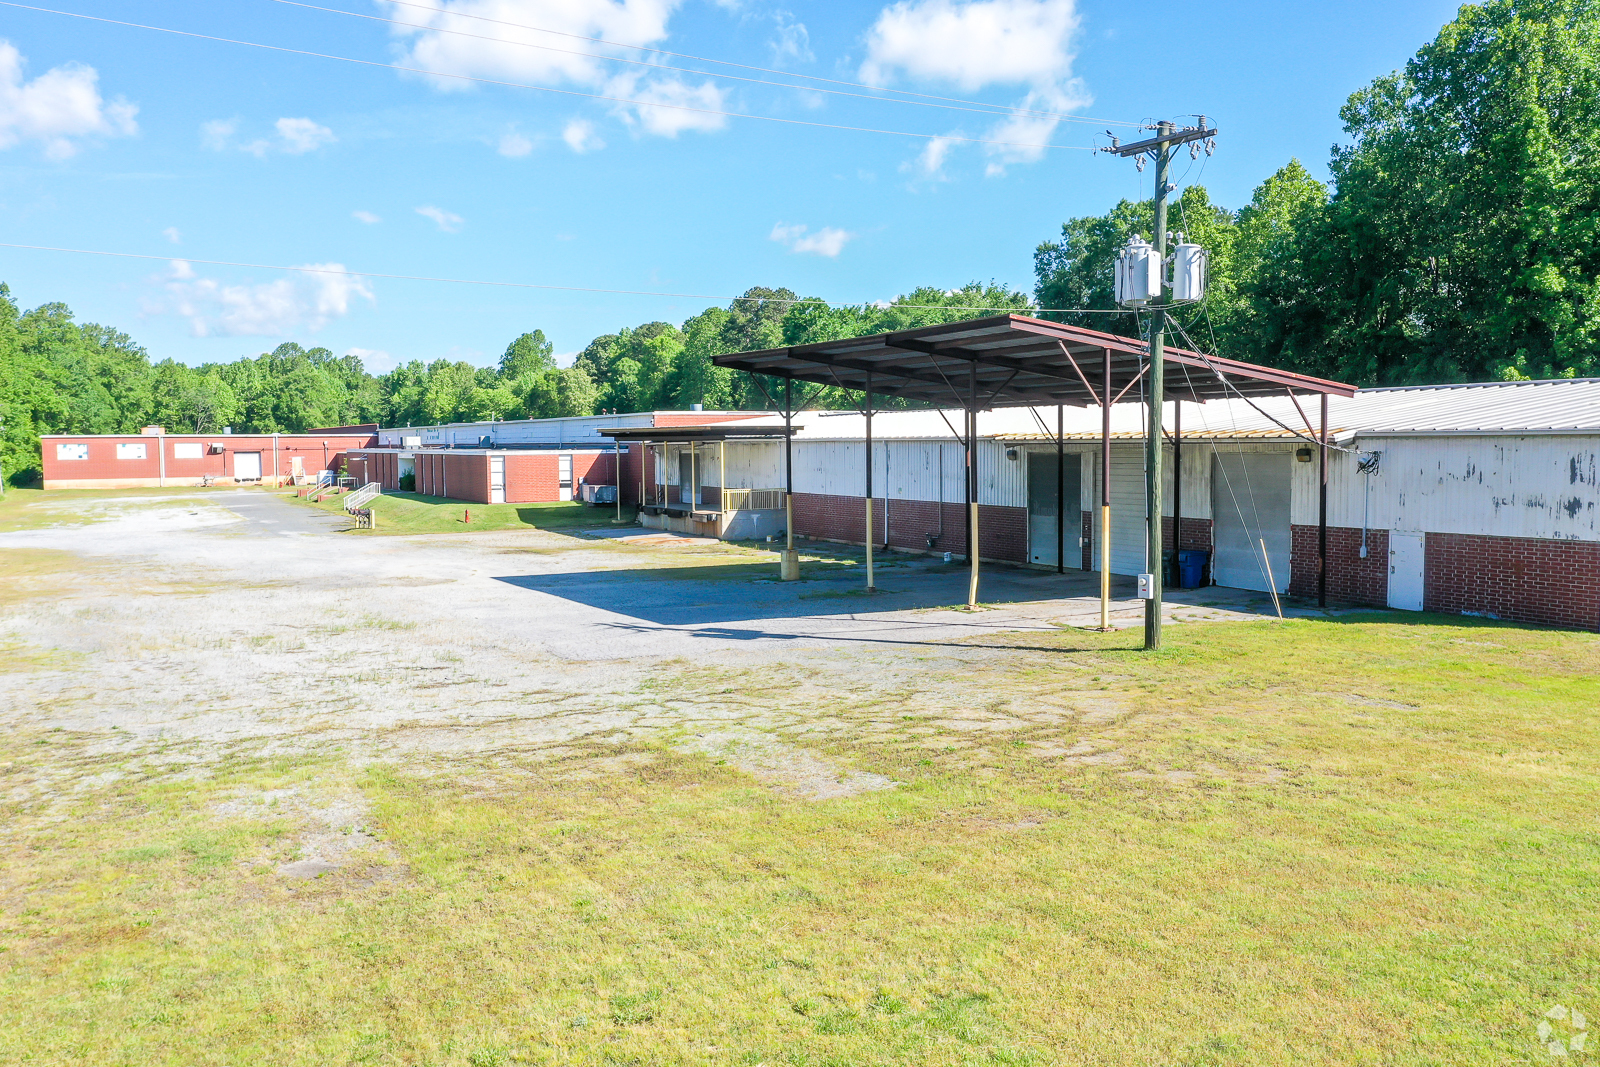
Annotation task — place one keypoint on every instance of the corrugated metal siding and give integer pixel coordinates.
(1127, 509)
(1500, 486)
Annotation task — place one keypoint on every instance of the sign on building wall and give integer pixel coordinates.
(72, 451)
(187, 450)
(131, 450)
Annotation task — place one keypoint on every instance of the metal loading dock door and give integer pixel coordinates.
(1044, 485)
(1127, 511)
(1249, 504)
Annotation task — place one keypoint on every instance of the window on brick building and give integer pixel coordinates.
(131, 450)
(72, 451)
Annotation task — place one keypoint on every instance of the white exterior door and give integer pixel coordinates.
(1406, 557)
(497, 479)
(1249, 505)
(247, 466)
(564, 462)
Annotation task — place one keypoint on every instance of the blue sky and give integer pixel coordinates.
(127, 140)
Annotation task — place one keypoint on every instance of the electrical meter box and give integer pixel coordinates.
(1147, 586)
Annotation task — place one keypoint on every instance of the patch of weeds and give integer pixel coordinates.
(631, 1009)
(838, 1022)
(958, 1016)
(141, 854)
(1216, 1050)
(208, 850)
(487, 1057)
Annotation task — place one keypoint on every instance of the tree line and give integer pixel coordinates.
(61, 376)
(1457, 241)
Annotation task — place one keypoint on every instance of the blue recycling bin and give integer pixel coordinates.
(1192, 567)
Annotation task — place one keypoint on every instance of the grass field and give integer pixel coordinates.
(411, 513)
(1325, 842)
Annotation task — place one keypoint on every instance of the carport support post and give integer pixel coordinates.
(789, 567)
(1061, 489)
(1177, 486)
(972, 490)
(1322, 510)
(1158, 374)
(1105, 490)
(869, 537)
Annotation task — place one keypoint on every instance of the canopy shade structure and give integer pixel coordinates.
(1015, 360)
(685, 434)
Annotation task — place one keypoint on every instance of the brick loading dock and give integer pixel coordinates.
(157, 458)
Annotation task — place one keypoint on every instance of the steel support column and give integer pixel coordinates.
(1322, 509)
(868, 539)
(1105, 491)
(1061, 488)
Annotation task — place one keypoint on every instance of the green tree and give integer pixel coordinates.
(1463, 238)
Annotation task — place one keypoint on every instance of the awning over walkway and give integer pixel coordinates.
(1014, 360)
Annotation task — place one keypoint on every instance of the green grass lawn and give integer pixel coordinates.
(1363, 841)
(411, 513)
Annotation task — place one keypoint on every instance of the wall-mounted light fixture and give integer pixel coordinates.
(1011, 453)
(1303, 455)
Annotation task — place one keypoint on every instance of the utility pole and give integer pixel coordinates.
(1160, 147)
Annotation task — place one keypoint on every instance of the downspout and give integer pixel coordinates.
(886, 496)
(277, 473)
(161, 466)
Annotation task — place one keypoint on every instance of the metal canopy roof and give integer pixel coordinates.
(728, 431)
(1014, 360)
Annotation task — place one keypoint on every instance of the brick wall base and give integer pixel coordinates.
(1002, 531)
(1523, 579)
(1351, 579)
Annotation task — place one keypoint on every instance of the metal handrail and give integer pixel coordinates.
(360, 497)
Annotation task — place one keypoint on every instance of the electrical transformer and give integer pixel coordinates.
(1189, 263)
(1138, 273)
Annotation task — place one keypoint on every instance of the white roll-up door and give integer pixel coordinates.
(1127, 512)
(1250, 504)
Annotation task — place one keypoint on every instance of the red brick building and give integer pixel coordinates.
(157, 458)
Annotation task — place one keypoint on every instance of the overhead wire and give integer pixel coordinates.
(976, 106)
(741, 66)
(541, 88)
(536, 285)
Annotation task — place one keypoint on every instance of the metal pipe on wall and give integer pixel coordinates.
(1061, 489)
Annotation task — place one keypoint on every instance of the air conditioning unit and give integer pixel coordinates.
(598, 495)
(1138, 279)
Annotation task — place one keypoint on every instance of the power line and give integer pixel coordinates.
(741, 66)
(978, 106)
(540, 88)
(535, 285)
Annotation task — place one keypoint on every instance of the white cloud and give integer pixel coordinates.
(515, 146)
(216, 134)
(930, 161)
(295, 137)
(984, 42)
(365, 216)
(828, 241)
(791, 43)
(302, 135)
(704, 99)
(171, 233)
(448, 221)
(494, 51)
(57, 107)
(304, 301)
(373, 360)
(639, 22)
(981, 43)
(581, 137)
